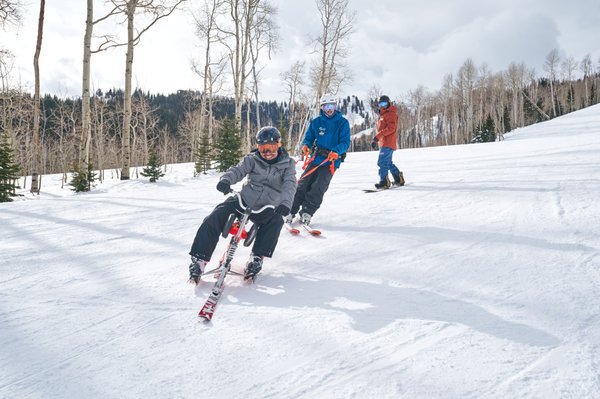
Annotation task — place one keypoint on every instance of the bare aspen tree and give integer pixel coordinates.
(247, 17)
(586, 68)
(36, 148)
(417, 99)
(263, 38)
(99, 110)
(516, 79)
(144, 128)
(551, 66)
(482, 89)
(568, 67)
(211, 70)
(304, 108)
(236, 39)
(498, 101)
(152, 11)
(86, 131)
(332, 47)
(447, 108)
(465, 82)
(293, 80)
(83, 154)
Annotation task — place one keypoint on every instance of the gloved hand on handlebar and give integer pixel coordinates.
(224, 186)
(282, 210)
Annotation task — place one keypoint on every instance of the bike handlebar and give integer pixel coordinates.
(238, 194)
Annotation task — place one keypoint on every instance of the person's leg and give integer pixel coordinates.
(269, 227)
(303, 186)
(208, 233)
(384, 161)
(394, 169)
(314, 196)
(396, 173)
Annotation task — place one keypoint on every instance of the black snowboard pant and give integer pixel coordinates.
(311, 189)
(269, 226)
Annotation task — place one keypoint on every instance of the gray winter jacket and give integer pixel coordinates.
(266, 184)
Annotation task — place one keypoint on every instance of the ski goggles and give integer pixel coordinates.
(383, 104)
(268, 148)
(328, 107)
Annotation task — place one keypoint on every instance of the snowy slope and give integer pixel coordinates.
(478, 279)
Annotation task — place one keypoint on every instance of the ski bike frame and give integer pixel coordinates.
(235, 226)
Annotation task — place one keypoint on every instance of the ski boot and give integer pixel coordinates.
(253, 267)
(196, 269)
(289, 218)
(305, 218)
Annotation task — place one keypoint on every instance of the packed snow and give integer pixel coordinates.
(478, 279)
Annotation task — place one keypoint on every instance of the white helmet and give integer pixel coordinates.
(327, 99)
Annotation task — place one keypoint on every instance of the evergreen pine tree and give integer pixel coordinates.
(485, 133)
(506, 119)
(8, 171)
(489, 130)
(284, 133)
(154, 168)
(203, 154)
(83, 181)
(228, 146)
(477, 135)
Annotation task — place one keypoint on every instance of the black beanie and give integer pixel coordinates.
(384, 98)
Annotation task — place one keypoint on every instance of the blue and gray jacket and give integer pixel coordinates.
(328, 134)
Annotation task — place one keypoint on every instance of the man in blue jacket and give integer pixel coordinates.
(326, 140)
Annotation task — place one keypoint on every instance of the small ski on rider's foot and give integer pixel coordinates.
(313, 232)
(293, 231)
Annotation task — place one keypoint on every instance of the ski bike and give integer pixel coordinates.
(236, 227)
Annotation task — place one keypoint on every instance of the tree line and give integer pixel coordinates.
(478, 105)
(119, 129)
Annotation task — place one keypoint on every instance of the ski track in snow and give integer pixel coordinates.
(479, 278)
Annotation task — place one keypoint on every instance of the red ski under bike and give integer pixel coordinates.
(236, 227)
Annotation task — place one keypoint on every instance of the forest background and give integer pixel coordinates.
(119, 129)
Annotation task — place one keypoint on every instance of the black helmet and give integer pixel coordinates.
(384, 99)
(268, 134)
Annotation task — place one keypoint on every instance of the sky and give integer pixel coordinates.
(396, 46)
(477, 279)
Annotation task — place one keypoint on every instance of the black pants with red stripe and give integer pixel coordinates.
(310, 190)
(268, 222)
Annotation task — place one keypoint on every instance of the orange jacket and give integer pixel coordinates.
(387, 127)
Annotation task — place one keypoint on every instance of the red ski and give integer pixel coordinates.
(313, 232)
(293, 231)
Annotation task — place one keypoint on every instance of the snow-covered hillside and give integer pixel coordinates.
(478, 279)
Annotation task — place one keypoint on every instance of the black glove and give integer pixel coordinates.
(374, 144)
(282, 210)
(224, 186)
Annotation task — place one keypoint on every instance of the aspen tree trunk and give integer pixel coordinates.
(86, 134)
(125, 141)
(35, 148)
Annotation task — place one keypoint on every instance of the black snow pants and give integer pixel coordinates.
(310, 190)
(269, 226)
